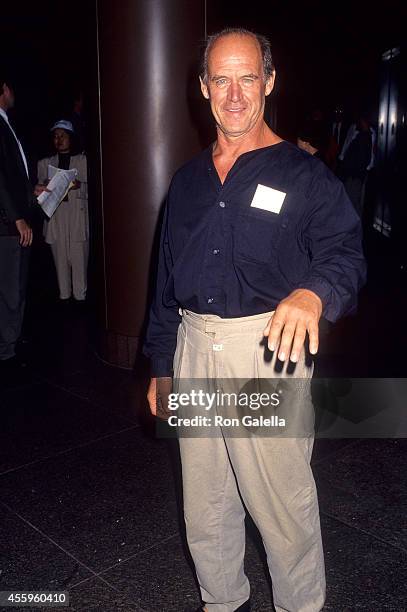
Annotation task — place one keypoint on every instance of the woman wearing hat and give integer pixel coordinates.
(68, 229)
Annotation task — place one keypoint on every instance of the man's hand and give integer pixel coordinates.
(25, 231)
(38, 189)
(157, 396)
(296, 315)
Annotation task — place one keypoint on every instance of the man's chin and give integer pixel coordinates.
(234, 131)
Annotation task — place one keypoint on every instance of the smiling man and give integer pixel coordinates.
(258, 241)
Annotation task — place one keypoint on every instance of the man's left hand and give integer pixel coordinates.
(295, 316)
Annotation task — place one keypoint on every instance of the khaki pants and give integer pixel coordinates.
(272, 476)
(71, 263)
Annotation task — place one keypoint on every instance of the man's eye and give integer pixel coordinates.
(248, 81)
(221, 82)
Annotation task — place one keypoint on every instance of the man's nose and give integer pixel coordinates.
(235, 91)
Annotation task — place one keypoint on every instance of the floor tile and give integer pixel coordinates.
(97, 596)
(114, 389)
(41, 420)
(158, 579)
(325, 448)
(28, 560)
(102, 502)
(364, 486)
(362, 573)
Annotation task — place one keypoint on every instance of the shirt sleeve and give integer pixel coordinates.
(333, 235)
(161, 337)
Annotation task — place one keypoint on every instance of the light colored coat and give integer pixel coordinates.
(71, 215)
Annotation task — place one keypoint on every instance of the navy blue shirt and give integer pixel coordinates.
(220, 255)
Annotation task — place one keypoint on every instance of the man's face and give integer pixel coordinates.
(62, 141)
(235, 84)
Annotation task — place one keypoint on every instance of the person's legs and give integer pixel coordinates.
(214, 513)
(278, 489)
(79, 254)
(273, 473)
(273, 470)
(60, 253)
(14, 261)
(214, 518)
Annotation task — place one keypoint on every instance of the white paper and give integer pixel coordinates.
(268, 198)
(59, 185)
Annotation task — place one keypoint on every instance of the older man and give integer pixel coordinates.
(259, 239)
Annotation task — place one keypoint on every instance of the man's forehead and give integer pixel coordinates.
(235, 49)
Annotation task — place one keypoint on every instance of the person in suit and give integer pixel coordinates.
(16, 198)
(338, 130)
(67, 232)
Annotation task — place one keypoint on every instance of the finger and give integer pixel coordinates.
(266, 330)
(152, 396)
(313, 332)
(275, 333)
(298, 343)
(152, 402)
(286, 341)
(31, 238)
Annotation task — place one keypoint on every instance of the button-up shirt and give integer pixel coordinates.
(221, 255)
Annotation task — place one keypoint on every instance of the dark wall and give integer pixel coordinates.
(325, 53)
(46, 47)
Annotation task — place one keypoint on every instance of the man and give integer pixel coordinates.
(259, 239)
(16, 197)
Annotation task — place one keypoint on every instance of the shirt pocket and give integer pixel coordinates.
(257, 234)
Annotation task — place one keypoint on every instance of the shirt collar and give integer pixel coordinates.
(3, 114)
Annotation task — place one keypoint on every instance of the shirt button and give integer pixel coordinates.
(215, 251)
(210, 300)
(222, 204)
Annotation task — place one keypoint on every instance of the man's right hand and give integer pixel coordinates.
(39, 189)
(25, 231)
(157, 396)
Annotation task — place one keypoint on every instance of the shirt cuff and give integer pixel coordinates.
(161, 367)
(323, 290)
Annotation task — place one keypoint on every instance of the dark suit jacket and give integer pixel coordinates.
(16, 193)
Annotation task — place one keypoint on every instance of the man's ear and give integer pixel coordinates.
(270, 83)
(204, 89)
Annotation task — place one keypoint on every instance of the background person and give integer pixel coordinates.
(67, 231)
(356, 159)
(16, 199)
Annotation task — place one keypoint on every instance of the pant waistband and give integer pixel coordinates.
(208, 323)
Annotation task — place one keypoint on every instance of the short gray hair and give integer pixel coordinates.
(265, 48)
